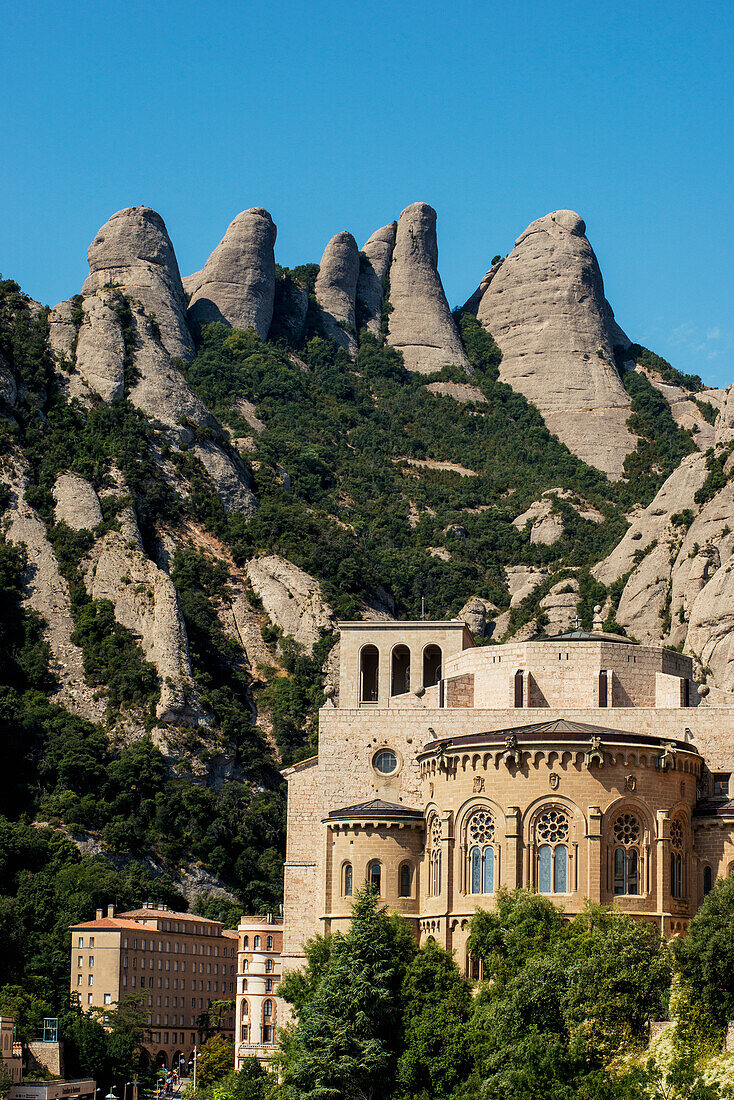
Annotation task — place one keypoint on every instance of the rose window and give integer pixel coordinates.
(626, 829)
(481, 828)
(552, 826)
(676, 834)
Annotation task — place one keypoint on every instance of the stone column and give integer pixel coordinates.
(512, 863)
(594, 855)
(447, 843)
(662, 865)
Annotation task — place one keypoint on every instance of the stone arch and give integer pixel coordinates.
(369, 673)
(544, 802)
(400, 659)
(161, 1060)
(432, 664)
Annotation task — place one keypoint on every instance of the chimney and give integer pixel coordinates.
(110, 911)
(100, 914)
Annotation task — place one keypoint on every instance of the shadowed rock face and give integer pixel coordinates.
(100, 349)
(134, 252)
(421, 325)
(237, 283)
(545, 307)
(374, 266)
(336, 289)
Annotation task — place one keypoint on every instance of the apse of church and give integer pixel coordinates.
(580, 766)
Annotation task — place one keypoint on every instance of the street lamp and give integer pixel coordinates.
(124, 1095)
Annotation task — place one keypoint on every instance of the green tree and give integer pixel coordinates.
(347, 1039)
(436, 1003)
(215, 1060)
(522, 925)
(706, 955)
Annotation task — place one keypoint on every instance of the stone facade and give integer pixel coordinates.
(259, 1011)
(581, 766)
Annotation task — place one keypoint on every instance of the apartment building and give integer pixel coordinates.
(183, 964)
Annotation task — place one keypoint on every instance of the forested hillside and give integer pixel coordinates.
(189, 507)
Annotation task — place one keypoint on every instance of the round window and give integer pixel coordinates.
(385, 762)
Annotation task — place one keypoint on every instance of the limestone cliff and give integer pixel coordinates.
(336, 289)
(237, 282)
(133, 252)
(374, 266)
(421, 325)
(546, 309)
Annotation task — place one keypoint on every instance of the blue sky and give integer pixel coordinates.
(336, 116)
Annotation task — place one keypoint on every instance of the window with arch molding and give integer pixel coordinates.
(626, 836)
(347, 880)
(480, 837)
(269, 943)
(374, 875)
(268, 1009)
(677, 858)
(434, 855)
(708, 880)
(369, 665)
(405, 884)
(552, 830)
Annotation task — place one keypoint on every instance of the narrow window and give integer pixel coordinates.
(268, 1009)
(369, 674)
(560, 869)
(707, 880)
(375, 876)
(603, 688)
(476, 871)
(518, 688)
(633, 875)
(348, 880)
(405, 877)
(544, 869)
(400, 683)
(619, 862)
(431, 665)
(488, 871)
(269, 943)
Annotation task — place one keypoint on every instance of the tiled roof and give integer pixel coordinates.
(169, 914)
(107, 924)
(377, 808)
(561, 729)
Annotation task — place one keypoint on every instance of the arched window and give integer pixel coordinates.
(245, 1009)
(374, 876)
(400, 680)
(348, 880)
(268, 966)
(269, 943)
(246, 942)
(434, 855)
(551, 835)
(431, 665)
(707, 880)
(405, 880)
(480, 835)
(518, 688)
(369, 674)
(677, 859)
(256, 942)
(267, 1009)
(626, 834)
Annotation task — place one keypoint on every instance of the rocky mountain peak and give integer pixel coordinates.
(374, 266)
(421, 325)
(237, 283)
(336, 289)
(545, 307)
(133, 251)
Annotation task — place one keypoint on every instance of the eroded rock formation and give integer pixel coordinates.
(374, 266)
(237, 282)
(546, 309)
(421, 325)
(291, 598)
(133, 252)
(336, 289)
